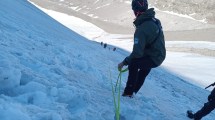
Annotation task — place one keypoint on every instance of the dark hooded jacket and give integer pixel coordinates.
(148, 41)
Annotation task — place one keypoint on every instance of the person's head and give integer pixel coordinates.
(139, 6)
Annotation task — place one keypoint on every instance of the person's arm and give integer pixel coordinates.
(138, 47)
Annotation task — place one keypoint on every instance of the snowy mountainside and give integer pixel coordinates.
(198, 9)
(48, 72)
(116, 16)
(45, 68)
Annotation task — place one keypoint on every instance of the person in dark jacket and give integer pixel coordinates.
(206, 109)
(148, 50)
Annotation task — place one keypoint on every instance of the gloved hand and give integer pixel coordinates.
(120, 66)
(210, 97)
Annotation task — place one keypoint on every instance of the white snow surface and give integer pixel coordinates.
(49, 72)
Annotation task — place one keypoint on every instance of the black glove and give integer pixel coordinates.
(210, 97)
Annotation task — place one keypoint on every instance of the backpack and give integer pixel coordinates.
(158, 23)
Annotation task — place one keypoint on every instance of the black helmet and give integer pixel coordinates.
(139, 5)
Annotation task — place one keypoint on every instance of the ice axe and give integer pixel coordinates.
(213, 84)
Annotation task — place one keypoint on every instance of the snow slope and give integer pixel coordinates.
(48, 72)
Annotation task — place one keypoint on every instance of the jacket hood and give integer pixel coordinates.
(150, 13)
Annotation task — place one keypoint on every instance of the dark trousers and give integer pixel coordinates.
(138, 70)
(206, 109)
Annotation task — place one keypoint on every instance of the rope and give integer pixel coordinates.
(117, 102)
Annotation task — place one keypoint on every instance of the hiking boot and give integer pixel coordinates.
(190, 114)
(127, 95)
